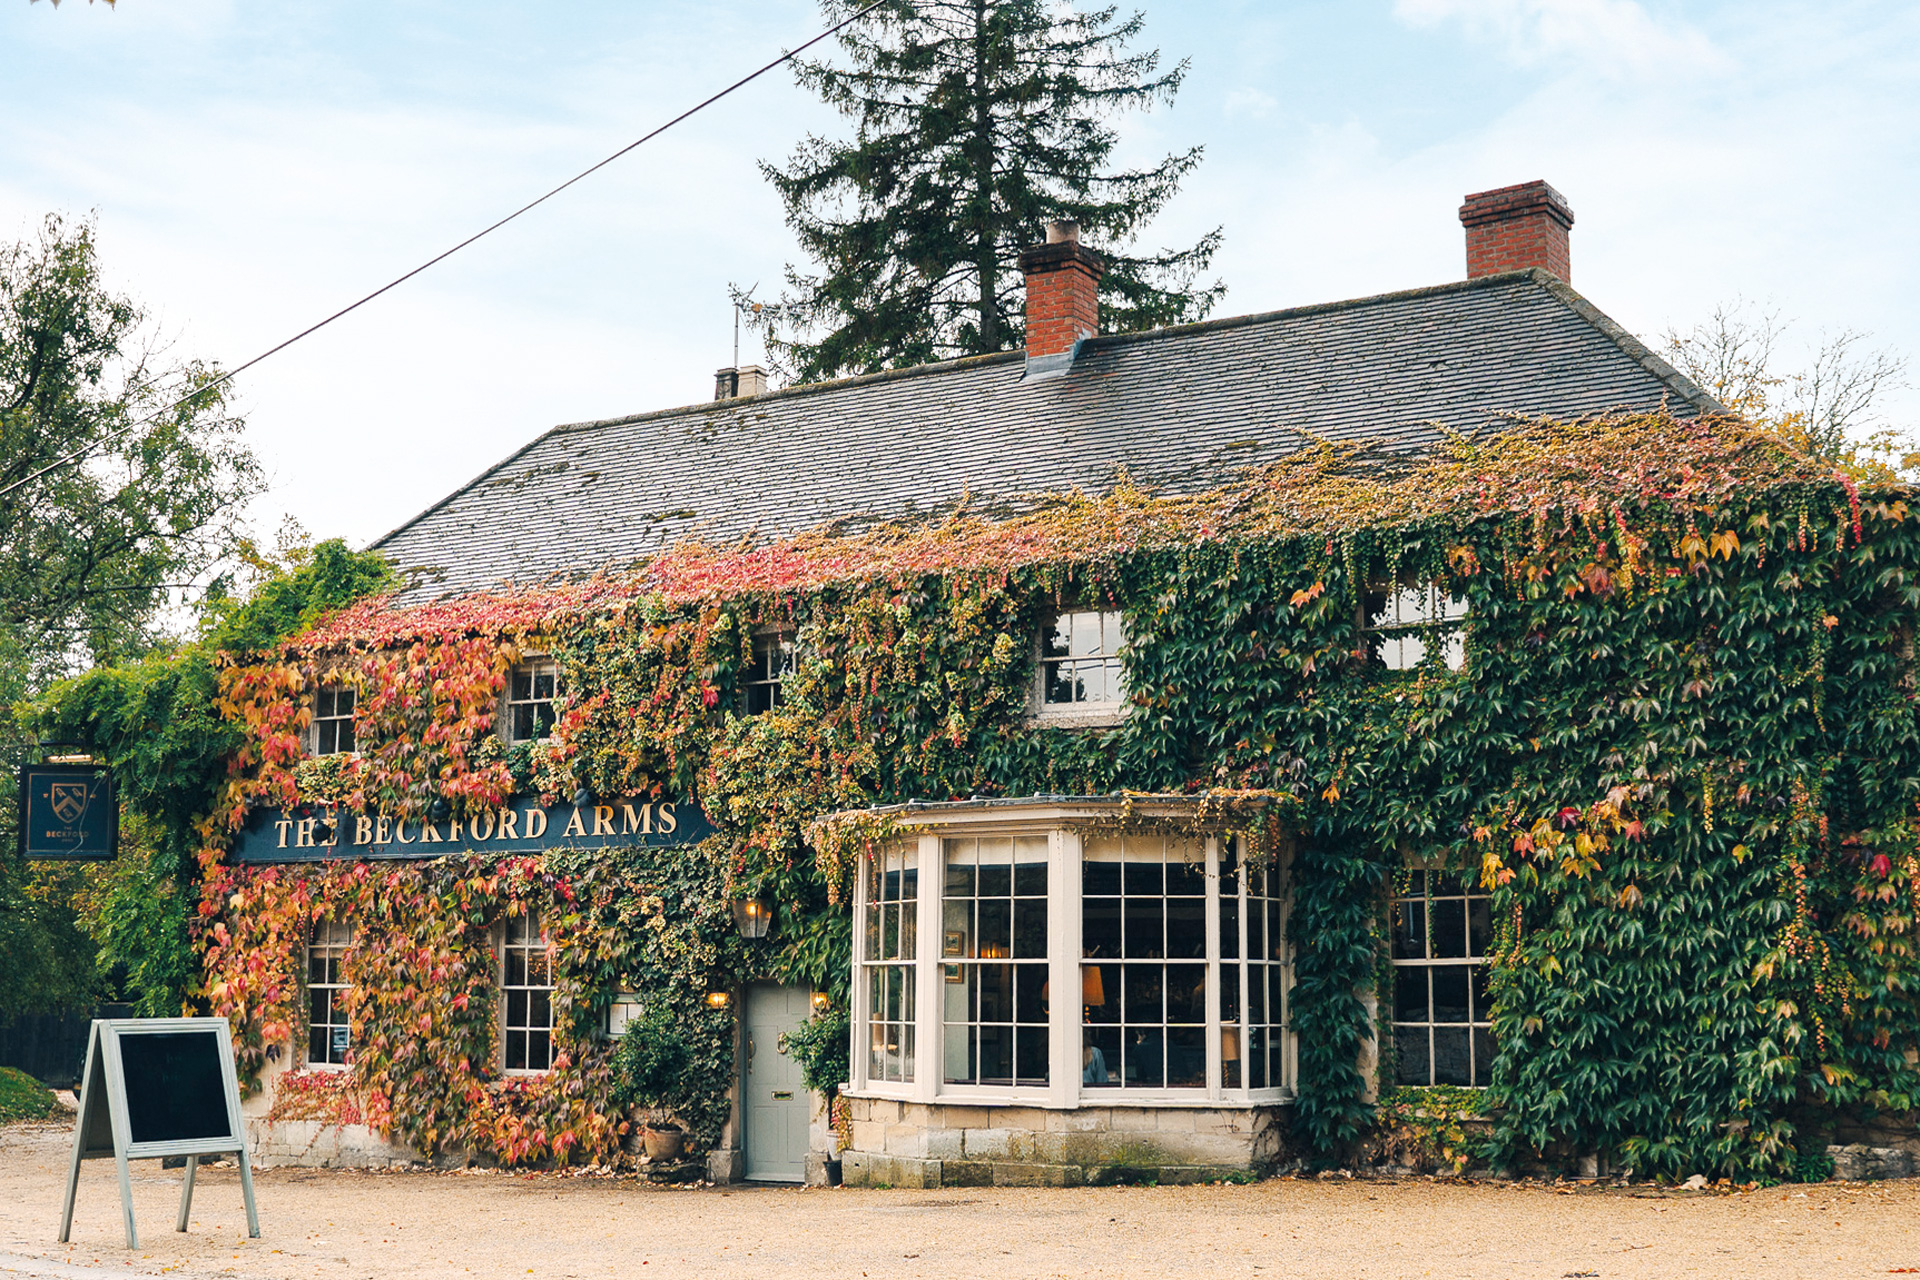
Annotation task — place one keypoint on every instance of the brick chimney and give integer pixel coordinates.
(1063, 296)
(1514, 228)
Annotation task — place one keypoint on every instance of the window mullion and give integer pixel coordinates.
(1063, 966)
(1213, 967)
(928, 1051)
(858, 1051)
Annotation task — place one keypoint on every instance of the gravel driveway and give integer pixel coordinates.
(351, 1225)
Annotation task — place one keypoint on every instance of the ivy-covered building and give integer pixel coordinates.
(1434, 689)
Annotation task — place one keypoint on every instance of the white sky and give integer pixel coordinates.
(254, 167)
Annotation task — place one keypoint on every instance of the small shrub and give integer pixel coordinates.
(22, 1097)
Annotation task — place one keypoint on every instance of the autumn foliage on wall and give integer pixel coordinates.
(1681, 751)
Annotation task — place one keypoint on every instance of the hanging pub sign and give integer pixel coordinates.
(312, 833)
(158, 1087)
(68, 812)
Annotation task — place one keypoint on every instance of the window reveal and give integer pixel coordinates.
(329, 1035)
(1442, 1018)
(530, 697)
(994, 949)
(773, 662)
(1408, 622)
(1080, 661)
(332, 720)
(527, 984)
(888, 952)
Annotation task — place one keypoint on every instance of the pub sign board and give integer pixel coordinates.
(316, 832)
(68, 812)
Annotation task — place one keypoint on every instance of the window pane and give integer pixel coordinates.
(1187, 879)
(1186, 1057)
(1187, 927)
(1100, 1057)
(1479, 925)
(996, 928)
(1450, 993)
(1100, 927)
(1144, 878)
(996, 878)
(1229, 923)
(1186, 993)
(1482, 1056)
(1102, 981)
(1451, 1061)
(1100, 877)
(1030, 877)
(1449, 928)
(1410, 930)
(1030, 1004)
(960, 877)
(1030, 928)
(1147, 1058)
(1145, 928)
(1054, 639)
(1410, 994)
(1410, 1046)
(1145, 1001)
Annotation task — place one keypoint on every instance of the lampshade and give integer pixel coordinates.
(753, 916)
(1229, 1044)
(1093, 991)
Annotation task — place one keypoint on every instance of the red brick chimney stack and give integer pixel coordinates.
(1063, 291)
(1514, 228)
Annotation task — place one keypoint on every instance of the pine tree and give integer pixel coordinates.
(976, 123)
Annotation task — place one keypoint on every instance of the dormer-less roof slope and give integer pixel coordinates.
(1176, 409)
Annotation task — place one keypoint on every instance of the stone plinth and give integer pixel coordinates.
(911, 1144)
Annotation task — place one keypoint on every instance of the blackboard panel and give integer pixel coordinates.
(175, 1089)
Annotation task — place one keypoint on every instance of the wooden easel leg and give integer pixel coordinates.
(186, 1193)
(126, 1199)
(246, 1189)
(73, 1178)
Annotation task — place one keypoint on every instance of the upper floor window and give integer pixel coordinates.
(1442, 1017)
(527, 985)
(1080, 662)
(773, 662)
(329, 1034)
(531, 692)
(1406, 622)
(332, 720)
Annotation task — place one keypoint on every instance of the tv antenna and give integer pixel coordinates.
(744, 303)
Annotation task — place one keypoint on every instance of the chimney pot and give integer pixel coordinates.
(747, 380)
(1514, 228)
(1063, 231)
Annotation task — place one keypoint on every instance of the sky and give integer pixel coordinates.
(252, 168)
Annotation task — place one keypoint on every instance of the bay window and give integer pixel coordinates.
(1069, 960)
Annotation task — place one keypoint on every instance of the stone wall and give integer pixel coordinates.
(911, 1144)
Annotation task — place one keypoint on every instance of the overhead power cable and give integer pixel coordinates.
(528, 207)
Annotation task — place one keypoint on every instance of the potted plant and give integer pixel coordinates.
(648, 1065)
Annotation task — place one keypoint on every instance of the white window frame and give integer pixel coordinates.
(779, 646)
(1064, 879)
(1428, 963)
(329, 942)
(1113, 644)
(352, 719)
(544, 946)
(1415, 615)
(532, 667)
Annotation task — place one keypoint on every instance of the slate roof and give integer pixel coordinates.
(1178, 409)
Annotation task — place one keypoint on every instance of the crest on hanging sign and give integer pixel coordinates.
(68, 812)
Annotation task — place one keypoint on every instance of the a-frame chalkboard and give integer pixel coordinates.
(159, 1087)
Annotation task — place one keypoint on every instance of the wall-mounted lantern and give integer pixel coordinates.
(719, 999)
(753, 916)
(820, 1001)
